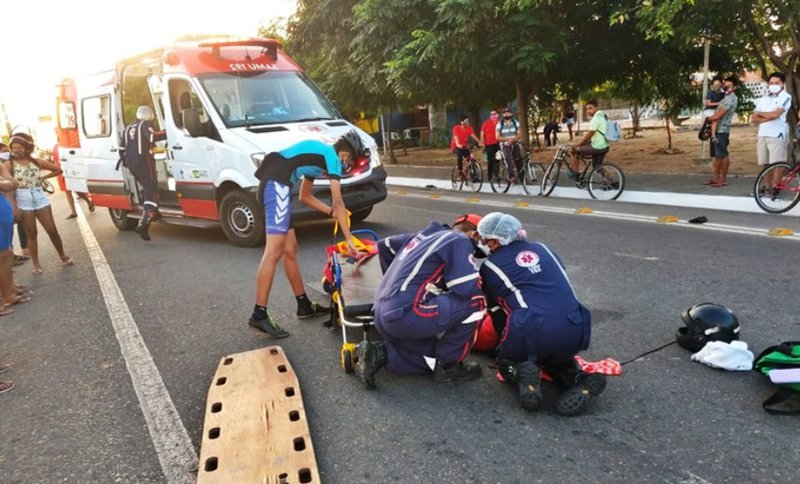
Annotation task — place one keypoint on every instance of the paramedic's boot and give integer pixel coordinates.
(529, 386)
(311, 309)
(371, 358)
(461, 371)
(576, 400)
(269, 326)
(143, 229)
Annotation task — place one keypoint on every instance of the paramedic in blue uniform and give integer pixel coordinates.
(137, 143)
(278, 172)
(390, 246)
(546, 324)
(426, 309)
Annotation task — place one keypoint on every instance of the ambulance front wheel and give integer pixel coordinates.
(361, 215)
(242, 219)
(121, 219)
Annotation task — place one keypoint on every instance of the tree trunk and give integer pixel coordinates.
(669, 133)
(793, 88)
(635, 121)
(522, 104)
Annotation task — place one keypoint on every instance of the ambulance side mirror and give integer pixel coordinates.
(191, 122)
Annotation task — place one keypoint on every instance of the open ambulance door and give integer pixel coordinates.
(99, 134)
(70, 161)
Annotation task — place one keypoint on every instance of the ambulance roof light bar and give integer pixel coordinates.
(268, 46)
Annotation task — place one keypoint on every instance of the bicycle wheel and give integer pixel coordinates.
(606, 182)
(455, 179)
(475, 176)
(550, 179)
(781, 196)
(532, 176)
(499, 179)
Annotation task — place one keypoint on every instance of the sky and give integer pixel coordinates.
(45, 40)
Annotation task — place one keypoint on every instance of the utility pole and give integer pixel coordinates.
(706, 54)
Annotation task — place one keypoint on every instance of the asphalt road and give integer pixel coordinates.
(74, 415)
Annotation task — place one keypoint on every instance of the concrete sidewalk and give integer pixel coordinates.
(740, 186)
(651, 189)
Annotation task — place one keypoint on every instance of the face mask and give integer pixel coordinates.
(507, 118)
(18, 154)
(494, 117)
(728, 89)
(775, 89)
(5, 156)
(484, 249)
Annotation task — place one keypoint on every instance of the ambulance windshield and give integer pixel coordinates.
(261, 98)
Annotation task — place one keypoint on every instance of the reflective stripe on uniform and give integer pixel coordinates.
(422, 259)
(503, 277)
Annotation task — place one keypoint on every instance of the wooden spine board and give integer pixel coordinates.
(255, 424)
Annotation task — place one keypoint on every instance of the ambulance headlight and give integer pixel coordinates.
(257, 158)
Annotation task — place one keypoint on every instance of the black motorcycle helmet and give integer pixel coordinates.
(706, 322)
(352, 141)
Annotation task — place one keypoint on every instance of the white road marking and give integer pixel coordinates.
(630, 217)
(173, 446)
(634, 256)
(712, 202)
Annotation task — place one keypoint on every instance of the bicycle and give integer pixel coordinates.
(532, 174)
(784, 194)
(471, 173)
(605, 181)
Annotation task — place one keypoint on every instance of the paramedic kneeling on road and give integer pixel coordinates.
(305, 160)
(546, 325)
(137, 143)
(426, 308)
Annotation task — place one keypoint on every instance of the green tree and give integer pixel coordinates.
(763, 33)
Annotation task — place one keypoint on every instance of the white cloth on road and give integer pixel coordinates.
(732, 356)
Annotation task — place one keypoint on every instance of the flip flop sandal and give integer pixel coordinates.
(71, 216)
(68, 261)
(18, 262)
(719, 185)
(37, 272)
(6, 385)
(710, 181)
(6, 311)
(22, 257)
(19, 300)
(4, 367)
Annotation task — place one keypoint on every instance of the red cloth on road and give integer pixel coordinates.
(608, 367)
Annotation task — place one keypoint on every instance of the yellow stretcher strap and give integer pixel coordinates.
(336, 224)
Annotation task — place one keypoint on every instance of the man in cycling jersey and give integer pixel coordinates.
(594, 140)
(459, 143)
(508, 134)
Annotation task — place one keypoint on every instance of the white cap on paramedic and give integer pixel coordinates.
(144, 113)
(502, 227)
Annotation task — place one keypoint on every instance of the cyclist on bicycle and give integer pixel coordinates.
(459, 143)
(509, 134)
(594, 140)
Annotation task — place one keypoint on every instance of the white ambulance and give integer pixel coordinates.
(223, 103)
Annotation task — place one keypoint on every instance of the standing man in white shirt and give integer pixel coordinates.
(773, 130)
